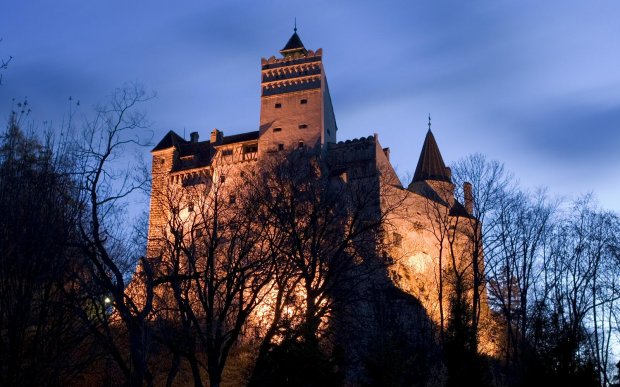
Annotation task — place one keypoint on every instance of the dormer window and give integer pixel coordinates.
(227, 152)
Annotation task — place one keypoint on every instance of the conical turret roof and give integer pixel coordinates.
(431, 165)
(293, 45)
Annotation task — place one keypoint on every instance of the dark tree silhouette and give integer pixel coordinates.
(217, 268)
(41, 341)
(106, 183)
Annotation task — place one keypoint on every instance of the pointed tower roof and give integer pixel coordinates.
(294, 45)
(170, 139)
(431, 165)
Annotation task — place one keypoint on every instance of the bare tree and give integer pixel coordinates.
(581, 284)
(4, 64)
(489, 182)
(515, 263)
(106, 184)
(216, 260)
(324, 228)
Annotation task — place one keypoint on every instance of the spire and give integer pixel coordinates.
(294, 44)
(431, 165)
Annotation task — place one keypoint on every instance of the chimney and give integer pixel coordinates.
(216, 137)
(193, 136)
(469, 197)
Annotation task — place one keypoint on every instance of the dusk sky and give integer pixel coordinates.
(533, 84)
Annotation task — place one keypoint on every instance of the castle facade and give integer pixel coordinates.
(425, 238)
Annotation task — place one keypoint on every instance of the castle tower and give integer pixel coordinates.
(296, 108)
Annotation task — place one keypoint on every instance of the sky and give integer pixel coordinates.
(535, 85)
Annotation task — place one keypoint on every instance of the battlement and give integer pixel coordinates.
(354, 142)
(299, 58)
(306, 83)
(295, 72)
(357, 157)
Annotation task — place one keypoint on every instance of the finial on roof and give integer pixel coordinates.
(295, 28)
(429, 121)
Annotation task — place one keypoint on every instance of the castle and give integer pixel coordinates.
(296, 112)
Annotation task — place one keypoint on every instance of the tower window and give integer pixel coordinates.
(303, 126)
(278, 105)
(277, 129)
(280, 147)
(303, 101)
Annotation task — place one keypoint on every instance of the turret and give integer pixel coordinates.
(432, 178)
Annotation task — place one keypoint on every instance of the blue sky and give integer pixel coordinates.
(533, 84)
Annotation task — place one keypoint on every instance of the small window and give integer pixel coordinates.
(222, 179)
(232, 199)
(303, 126)
(278, 105)
(190, 207)
(277, 129)
(300, 144)
(252, 148)
(227, 152)
(303, 101)
(280, 147)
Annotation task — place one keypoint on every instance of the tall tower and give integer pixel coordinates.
(296, 108)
